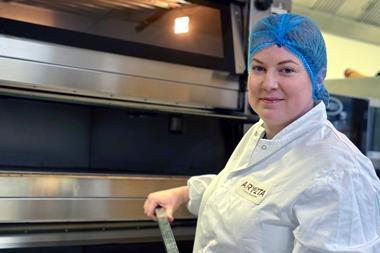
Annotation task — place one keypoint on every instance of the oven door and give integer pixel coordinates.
(209, 37)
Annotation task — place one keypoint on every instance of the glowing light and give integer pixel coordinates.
(181, 25)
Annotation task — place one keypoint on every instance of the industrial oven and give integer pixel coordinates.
(101, 103)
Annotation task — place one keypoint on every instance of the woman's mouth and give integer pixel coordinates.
(271, 100)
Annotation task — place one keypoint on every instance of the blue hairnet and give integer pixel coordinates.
(300, 36)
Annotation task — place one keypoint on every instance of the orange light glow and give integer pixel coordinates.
(181, 25)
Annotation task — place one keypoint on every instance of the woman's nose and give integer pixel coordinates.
(270, 81)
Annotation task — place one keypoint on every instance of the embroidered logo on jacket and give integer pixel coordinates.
(252, 190)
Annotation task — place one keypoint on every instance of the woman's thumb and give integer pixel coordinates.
(169, 213)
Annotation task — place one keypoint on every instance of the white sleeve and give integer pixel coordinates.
(197, 186)
(340, 214)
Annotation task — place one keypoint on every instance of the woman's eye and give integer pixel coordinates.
(258, 68)
(287, 70)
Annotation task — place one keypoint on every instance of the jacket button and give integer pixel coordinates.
(263, 147)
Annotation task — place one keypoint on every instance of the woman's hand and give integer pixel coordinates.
(169, 199)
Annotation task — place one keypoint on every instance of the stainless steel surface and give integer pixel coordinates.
(91, 237)
(39, 66)
(33, 94)
(77, 58)
(73, 198)
(41, 95)
(365, 88)
(358, 20)
(81, 209)
(237, 34)
(39, 209)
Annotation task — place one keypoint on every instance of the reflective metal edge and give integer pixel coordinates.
(67, 80)
(364, 88)
(237, 35)
(92, 237)
(74, 198)
(93, 100)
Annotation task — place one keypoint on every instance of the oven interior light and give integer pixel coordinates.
(181, 25)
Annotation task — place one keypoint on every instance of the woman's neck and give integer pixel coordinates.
(271, 131)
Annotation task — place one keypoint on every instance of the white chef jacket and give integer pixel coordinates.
(307, 190)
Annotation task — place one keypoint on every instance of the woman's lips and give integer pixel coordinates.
(270, 100)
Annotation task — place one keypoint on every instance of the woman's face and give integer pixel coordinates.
(279, 88)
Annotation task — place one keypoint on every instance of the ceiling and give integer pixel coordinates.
(356, 19)
(366, 11)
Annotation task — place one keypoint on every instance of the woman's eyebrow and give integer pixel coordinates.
(254, 59)
(287, 61)
(280, 63)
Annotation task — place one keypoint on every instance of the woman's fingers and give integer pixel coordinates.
(169, 199)
(149, 207)
(169, 214)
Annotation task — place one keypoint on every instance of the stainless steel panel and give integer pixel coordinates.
(68, 70)
(82, 186)
(91, 237)
(237, 36)
(73, 198)
(39, 76)
(42, 52)
(19, 210)
(364, 88)
(35, 94)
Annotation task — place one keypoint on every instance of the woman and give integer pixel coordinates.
(294, 183)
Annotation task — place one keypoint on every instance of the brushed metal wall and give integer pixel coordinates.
(42, 66)
(81, 209)
(68, 198)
